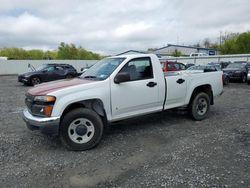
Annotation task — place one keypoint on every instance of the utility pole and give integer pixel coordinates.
(220, 38)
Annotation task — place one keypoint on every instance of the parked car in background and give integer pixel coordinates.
(248, 66)
(168, 66)
(83, 70)
(221, 64)
(237, 71)
(210, 68)
(47, 73)
(189, 65)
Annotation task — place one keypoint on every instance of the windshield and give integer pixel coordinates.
(41, 67)
(103, 69)
(236, 65)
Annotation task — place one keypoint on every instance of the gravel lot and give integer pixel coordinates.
(160, 150)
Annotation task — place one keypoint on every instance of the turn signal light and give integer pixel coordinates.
(47, 110)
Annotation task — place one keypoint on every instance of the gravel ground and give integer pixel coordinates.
(159, 150)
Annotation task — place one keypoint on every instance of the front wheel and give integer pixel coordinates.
(35, 80)
(199, 106)
(81, 129)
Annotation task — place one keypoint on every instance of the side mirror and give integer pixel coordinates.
(82, 69)
(122, 77)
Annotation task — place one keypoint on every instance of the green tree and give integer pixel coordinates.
(65, 51)
(235, 43)
(70, 51)
(176, 53)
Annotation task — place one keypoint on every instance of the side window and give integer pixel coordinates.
(139, 69)
(170, 66)
(59, 68)
(183, 67)
(50, 69)
(176, 66)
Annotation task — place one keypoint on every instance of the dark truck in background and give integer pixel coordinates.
(47, 73)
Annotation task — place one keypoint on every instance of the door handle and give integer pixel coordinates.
(180, 81)
(151, 84)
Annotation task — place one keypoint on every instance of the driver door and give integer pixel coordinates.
(49, 74)
(137, 96)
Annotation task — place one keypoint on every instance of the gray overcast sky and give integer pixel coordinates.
(111, 26)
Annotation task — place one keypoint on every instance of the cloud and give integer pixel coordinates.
(113, 26)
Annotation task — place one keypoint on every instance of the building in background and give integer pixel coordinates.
(170, 49)
(184, 50)
(129, 52)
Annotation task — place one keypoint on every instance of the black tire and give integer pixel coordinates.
(244, 79)
(248, 82)
(226, 81)
(199, 106)
(65, 129)
(35, 80)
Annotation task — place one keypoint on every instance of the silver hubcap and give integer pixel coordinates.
(201, 107)
(81, 130)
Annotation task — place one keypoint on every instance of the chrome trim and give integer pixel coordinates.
(39, 121)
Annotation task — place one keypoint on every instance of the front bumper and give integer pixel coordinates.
(47, 125)
(23, 79)
(235, 76)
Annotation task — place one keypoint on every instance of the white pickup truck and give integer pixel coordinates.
(116, 88)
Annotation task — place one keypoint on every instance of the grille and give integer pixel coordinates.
(29, 101)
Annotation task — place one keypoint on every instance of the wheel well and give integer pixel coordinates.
(35, 76)
(206, 89)
(94, 104)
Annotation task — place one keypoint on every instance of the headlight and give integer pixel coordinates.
(45, 99)
(43, 105)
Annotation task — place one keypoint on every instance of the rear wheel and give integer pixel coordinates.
(35, 80)
(81, 129)
(248, 82)
(199, 106)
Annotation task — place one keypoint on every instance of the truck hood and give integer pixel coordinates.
(46, 88)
